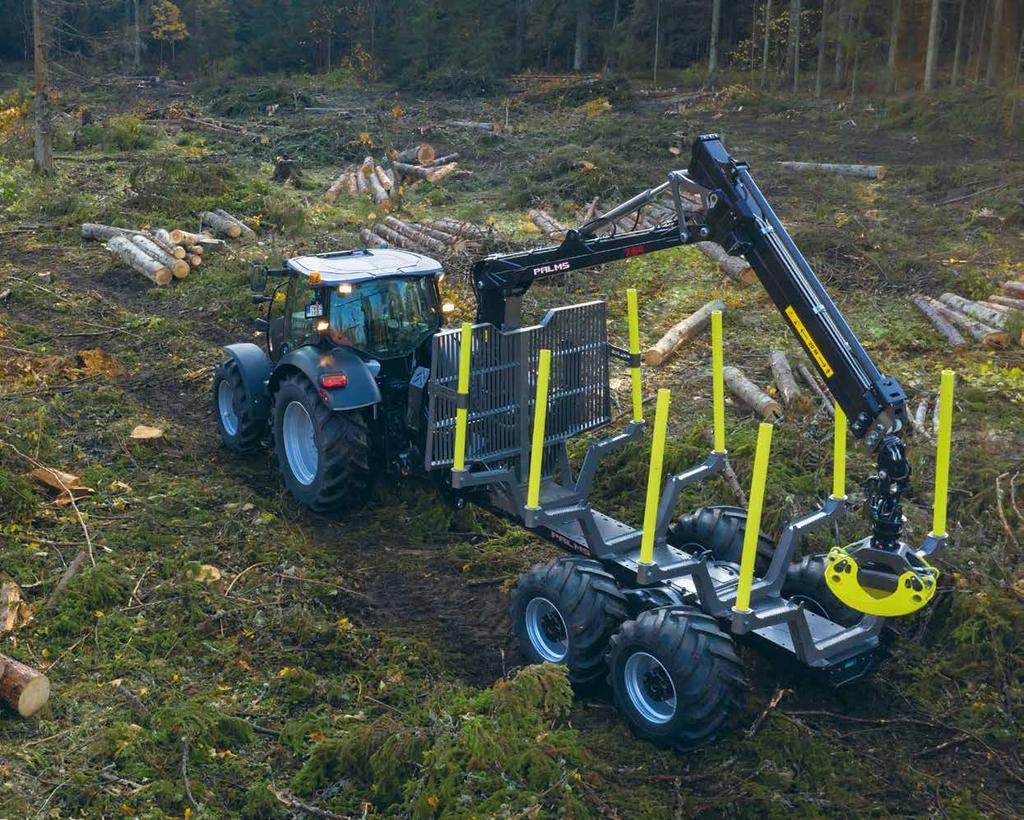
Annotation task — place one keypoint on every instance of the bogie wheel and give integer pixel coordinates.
(240, 430)
(564, 612)
(323, 454)
(720, 529)
(805, 584)
(676, 677)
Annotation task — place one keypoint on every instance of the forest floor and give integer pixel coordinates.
(226, 653)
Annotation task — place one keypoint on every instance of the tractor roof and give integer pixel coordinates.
(363, 265)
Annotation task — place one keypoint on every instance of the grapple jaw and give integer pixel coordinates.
(887, 583)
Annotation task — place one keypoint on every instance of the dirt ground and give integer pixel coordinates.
(224, 645)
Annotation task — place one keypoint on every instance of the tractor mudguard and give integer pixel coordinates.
(254, 367)
(361, 389)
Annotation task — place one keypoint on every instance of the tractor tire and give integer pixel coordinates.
(675, 677)
(240, 430)
(323, 454)
(563, 612)
(805, 583)
(720, 529)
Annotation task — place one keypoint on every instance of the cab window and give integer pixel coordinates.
(385, 318)
(299, 326)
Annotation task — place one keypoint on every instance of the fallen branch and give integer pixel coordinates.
(72, 570)
(681, 332)
(776, 699)
(751, 395)
(827, 404)
(291, 801)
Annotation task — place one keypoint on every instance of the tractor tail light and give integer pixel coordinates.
(331, 380)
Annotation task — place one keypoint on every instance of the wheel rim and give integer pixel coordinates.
(649, 687)
(226, 407)
(300, 443)
(546, 630)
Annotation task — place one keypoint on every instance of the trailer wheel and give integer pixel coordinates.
(564, 612)
(323, 454)
(805, 584)
(676, 677)
(720, 528)
(239, 429)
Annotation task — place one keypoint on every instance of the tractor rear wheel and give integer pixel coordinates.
(323, 454)
(676, 677)
(240, 430)
(564, 612)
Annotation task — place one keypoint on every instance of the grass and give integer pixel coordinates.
(364, 664)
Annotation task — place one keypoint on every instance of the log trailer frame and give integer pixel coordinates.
(372, 382)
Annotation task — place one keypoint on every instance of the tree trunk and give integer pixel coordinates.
(136, 37)
(794, 41)
(767, 43)
(227, 227)
(178, 267)
(819, 77)
(994, 70)
(682, 332)
(939, 322)
(894, 45)
(579, 62)
(138, 260)
(716, 16)
(932, 56)
(792, 396)
(520, 42)
(843, 20)
(42, 144)
(751, 395)
(954, 76)
(23, 688)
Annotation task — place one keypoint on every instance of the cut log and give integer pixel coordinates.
(23, 688)
(92, 230)
(393, 237)
(377, 192)
(863, 171)
(591, 211)
(735, 267)
(979, 331)
(286, 171)
(247, 232)
(411, 171)
(417, 155)
(455, 244)
(194, 260)
(809, 379)
(437, 175)
(548, 224)
(371, 240)
(137, 259)
(476, 126)
(340, 184)
(751, 395)
(227, 227)
(437, 162)
(458, 228)
(981, 312)
(180, 237)
(163, 239)
(361, 183)
(938, 321)
(196, 250)
(918, 419)
(1006, 301)
(1014, 289)
(416, 235)
(792, 397)
(680, 333)
(382, 177)
(178, 267)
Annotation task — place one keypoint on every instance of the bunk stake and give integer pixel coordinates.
(753, 525)
(634, 354)
(839, 455)
(654, 477)
(718, 381)
(540, 419)
(942, 454)
(462, 398)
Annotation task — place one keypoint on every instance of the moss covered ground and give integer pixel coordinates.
(225, 653)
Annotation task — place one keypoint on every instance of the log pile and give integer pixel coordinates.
(158, 254)
(439, 237)
(994, 323)
(384, 181)
(193, 122)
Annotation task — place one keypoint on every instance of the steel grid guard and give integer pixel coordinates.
(503, 381)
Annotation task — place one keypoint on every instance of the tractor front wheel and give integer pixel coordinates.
(323, 454)
(676, 677)
(240, 430)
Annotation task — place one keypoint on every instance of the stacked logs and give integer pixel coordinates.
(159, 255)
(996, 322)
(383, 182)
(439, 237)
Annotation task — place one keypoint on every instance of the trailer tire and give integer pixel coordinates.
(323, 454)
(805, 583)
(564, 611)
(240, 429)
(720, 528)
(675, 677)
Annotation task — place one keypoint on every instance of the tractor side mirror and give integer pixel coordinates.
(258, 278)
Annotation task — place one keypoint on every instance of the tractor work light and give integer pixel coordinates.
(448, 307)
(322, 325)
(332, 380)
(344, 289)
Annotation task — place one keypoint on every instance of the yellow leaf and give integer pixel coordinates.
(396, 112)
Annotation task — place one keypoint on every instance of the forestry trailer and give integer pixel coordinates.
(359, 377)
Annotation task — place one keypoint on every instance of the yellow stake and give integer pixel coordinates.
(634, 350)
(839, 456)
(462, 413)
(942, 453)
(753, 525)
(654, 477)
(540, 418)
(717, 381)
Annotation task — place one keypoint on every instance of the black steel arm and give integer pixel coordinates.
(716, 199)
